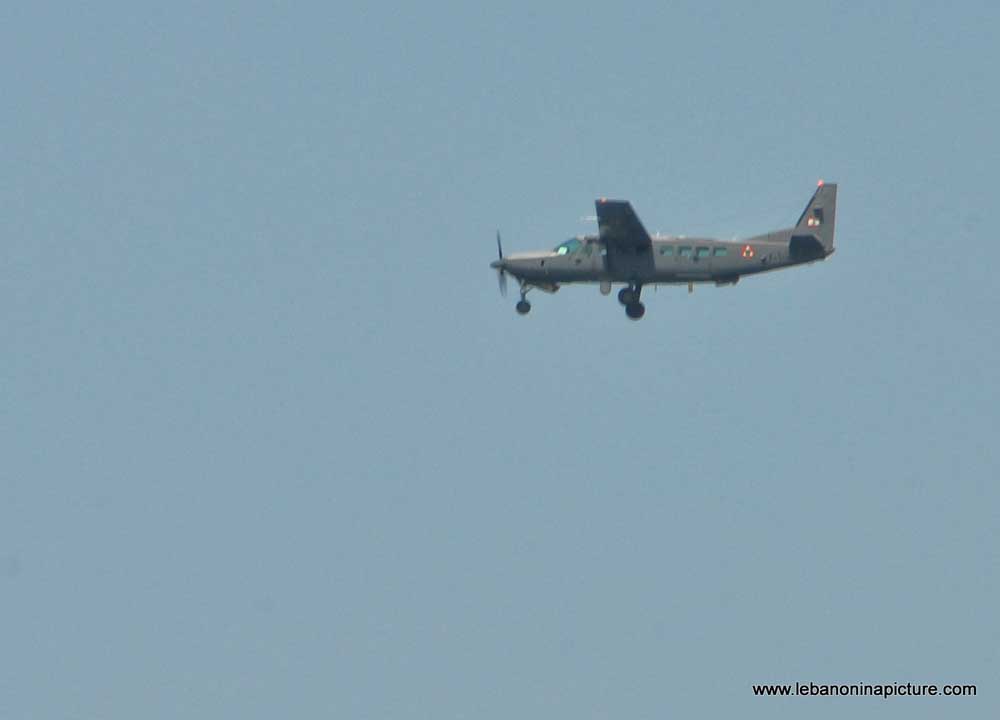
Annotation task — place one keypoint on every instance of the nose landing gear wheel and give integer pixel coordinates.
(523, 307)
(635, 310)
(626, 296)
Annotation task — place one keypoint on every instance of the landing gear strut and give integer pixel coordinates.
(523, 307)
(629, 297)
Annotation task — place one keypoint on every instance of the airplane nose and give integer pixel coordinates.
(497, 264)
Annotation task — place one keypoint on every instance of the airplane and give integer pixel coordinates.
(623, 252)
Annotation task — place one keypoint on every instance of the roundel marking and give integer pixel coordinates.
(748, 251)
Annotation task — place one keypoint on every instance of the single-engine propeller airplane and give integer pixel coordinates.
(623, 252)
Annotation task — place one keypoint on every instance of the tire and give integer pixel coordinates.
(635, 310)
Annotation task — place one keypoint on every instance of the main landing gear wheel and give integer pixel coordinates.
(627, 296)
(635, 310)
(523, 307)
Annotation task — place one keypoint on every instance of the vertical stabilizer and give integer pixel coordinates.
(819, 217)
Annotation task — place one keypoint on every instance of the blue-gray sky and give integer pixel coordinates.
(272, 444)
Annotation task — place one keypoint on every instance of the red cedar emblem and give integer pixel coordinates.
(748, 251)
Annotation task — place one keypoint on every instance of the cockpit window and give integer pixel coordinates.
(570, 246)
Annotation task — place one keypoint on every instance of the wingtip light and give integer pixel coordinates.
(819, 184)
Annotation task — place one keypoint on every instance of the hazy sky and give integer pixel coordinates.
(272, 445)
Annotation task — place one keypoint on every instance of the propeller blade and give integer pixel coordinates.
(501, 275)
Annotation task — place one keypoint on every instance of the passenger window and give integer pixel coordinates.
(666, 250)
(684, 251)
(720, 251)
(703, 252)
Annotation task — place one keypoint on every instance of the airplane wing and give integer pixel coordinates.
(620, 228)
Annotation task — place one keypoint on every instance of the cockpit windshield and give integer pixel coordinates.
(569, 247)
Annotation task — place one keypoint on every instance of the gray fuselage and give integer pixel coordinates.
(668, 260)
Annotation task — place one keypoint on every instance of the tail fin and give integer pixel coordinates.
(817, 220)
